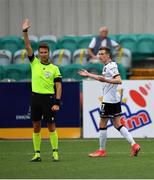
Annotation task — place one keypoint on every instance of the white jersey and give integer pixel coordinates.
(110, 91)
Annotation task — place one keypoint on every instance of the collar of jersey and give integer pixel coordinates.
(45, 64)
(108, 62)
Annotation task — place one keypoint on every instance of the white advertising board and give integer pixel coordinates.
(137, 107)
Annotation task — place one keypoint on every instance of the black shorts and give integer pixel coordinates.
(109, 110)
(41, 107)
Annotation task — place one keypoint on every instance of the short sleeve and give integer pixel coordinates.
(114, 43)
(34, 61)
(113, 69)
(57, 73)
(92, 43)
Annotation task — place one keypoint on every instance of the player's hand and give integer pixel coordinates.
(83, 72)
(55, 108)
(25, 25)
(101, 78)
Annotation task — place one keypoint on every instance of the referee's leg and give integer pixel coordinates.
(36, 141)
(53, 140)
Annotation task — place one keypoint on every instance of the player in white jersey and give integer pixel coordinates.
(110, 92)
(111, 105)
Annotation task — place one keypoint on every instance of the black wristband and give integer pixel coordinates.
(25, 30)
(58, 102)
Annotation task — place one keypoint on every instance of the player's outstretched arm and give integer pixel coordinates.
(25, 27)
(85, 73)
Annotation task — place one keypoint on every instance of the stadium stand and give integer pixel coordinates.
(123, 57)
(16, 71)
(72, 50)
(34, 42)
(7, 80)
(145, 46)
(114, 37)
(68, 42)
(11, 43)
(84, 41)
(70, 72)
(5, 57)
(1, 73)
(20, 57)
(80, 56)
(128, 41)
(50, 40)
(61, 57)
(142, 74)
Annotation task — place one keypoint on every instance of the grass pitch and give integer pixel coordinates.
(74, 161)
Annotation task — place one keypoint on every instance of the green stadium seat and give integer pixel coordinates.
(70, 72)
(114, 37)
(34, 42)
(20, 57)
(5, 57)
(128, 41)
(84, 41)
(61, 57)
(11, 43)
(17, 72)
(145, 45)
(122, 71)
(50, 40)
(95, 68)
(68, 42)
(1, 72)
(80, 56)
(124, 57)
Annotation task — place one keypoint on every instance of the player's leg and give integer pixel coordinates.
(102, 131)
(123, 130)
(102, 139)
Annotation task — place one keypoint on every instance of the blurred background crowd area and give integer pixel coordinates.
(68, 27)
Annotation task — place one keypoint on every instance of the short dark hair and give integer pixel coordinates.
(106, 49)
(43, 45)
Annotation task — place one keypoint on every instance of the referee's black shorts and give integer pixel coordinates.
(109, 110)
(41, 107)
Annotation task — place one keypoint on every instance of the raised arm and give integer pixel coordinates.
(25, 27)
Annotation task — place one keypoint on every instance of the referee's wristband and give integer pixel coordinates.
(25, 30)
(58, 102)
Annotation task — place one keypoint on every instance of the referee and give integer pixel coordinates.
(46, 80)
